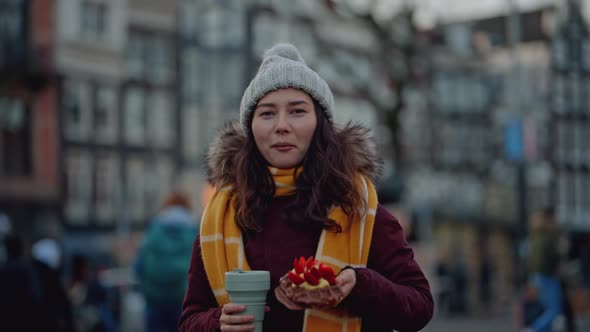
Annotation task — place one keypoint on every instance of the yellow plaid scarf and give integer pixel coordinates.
(223, 250)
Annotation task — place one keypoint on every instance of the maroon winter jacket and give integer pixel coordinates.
(390, 293)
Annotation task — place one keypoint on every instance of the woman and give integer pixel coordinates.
(289, 185)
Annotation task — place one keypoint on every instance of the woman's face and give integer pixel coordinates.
(283, 125)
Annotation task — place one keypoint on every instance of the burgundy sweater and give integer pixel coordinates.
(390, 293)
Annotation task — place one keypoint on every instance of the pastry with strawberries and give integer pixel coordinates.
(310, 274)
(310, 284)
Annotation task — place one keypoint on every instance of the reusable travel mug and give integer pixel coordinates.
(249, 288)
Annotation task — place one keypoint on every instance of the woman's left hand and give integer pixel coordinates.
(346, 279)
(285, 297)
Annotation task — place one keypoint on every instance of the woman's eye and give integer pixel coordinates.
(299, 111)
(266, 113)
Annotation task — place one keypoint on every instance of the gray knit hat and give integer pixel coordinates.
(283, 67)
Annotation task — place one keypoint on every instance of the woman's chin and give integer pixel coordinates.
(284, 164)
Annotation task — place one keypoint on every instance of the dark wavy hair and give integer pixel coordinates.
(327, 180)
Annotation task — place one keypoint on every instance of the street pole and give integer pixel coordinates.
(514, 38)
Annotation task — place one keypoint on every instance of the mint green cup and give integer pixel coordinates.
(249, 288)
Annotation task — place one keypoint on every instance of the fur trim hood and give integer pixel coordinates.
(221, 157)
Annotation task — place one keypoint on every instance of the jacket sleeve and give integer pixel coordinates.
(392, 290)
(199, 309)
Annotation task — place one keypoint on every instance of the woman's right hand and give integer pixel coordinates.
(232, 322)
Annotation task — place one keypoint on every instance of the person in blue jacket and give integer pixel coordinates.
(163, 262)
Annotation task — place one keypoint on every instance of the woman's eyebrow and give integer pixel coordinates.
(291, 103)
(265, 105)
(297, 102)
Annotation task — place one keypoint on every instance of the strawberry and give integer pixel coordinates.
(310, 262)
(302, 262)
(326, 271)
(311, 279)
(295, 278)
(298, 267)
(315, 272)
(331, 280)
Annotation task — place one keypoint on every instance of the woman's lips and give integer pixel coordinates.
(283, 148)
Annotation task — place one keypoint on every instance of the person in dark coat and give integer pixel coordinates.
(56, 314)
(289, 184)
(20, 290)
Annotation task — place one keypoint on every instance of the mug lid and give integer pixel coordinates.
(241, 276)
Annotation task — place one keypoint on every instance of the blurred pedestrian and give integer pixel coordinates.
(442, 270)
(543, 261)
(163, 262)
(5, 230)
(485, 276)
(459, 283)
(290, 184)
(56, 311)
(89, 298)
(20, 290)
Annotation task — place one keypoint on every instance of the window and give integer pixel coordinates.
(211, 74)
(79, 186)
(106, 115)
(191, 74)
(135, 60)
(562, 141)
(77, 110)
(234, 31)
(560, 53)
(160, 61)
(192, 144)
(189, 17)
(151, 58)
(267, 30)
(93, 22)
(15, 138)
(584, 132)
(135, 117)
(161, 119)
(157, 182)
(12, 31)
(107, 188)
(211, 27)
(231, 84)
(136, 183)
(586, 195)
(579, 147)
(578, 179)
(559, 95)
(576, 92)
(458, 39)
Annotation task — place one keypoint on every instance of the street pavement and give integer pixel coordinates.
(496, 323)
(492, 323)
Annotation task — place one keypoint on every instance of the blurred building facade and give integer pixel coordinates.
(507, 123)
(570, 120)
(119, 117)
(29, 130)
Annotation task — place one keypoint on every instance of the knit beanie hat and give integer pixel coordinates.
(283, 67)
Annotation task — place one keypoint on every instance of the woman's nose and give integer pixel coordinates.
(282, 123)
